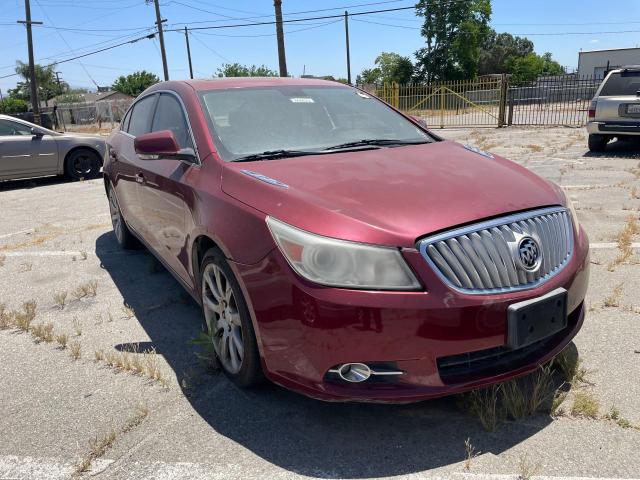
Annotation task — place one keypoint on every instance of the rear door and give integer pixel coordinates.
(165, 197)
(619, 97)
(127, 166)
(23, 154)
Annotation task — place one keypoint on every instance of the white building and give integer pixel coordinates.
(596, 62)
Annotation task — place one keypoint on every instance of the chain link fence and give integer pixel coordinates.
(96, 117)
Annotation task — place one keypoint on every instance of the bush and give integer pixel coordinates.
(13, 105)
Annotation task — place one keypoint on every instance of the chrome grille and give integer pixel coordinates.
(483, 257)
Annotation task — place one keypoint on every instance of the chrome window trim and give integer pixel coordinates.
(423, 244)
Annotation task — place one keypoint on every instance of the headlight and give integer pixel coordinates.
(339, 263)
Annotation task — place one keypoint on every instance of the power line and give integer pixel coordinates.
(211, 49)
(524, 34)
(87, 54)
(67, 44)
(316, 25)
(295, 20)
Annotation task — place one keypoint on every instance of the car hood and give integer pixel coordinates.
(388, 196)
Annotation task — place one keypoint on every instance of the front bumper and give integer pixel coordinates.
(305, 330)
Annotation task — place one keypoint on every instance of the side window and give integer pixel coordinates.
(9, 128)
(141, 116)
(170, 116)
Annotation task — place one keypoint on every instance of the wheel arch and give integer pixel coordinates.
(203, 243)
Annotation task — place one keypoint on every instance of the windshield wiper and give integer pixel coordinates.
(273, 154)
(376, 142)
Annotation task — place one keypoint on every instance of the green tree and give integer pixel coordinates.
(136, 83)
(46, 81)
(13, 105)
(454, 33)
(499, 49)
(394, 68)
(237, 70)
(530, 67)
(368, 76)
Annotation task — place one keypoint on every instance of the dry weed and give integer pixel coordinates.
(75, 349)
(22, 320)
(62, 339)
(585, 405)
(613, 300)
(470, 453)
(625, 240)
(60, 299)
(42, 332)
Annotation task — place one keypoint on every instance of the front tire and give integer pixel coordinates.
(82, 163)
(228, 322)
(597, 143)
(123, 235)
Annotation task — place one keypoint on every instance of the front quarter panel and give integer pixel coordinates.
(68, 143)
(238, 229)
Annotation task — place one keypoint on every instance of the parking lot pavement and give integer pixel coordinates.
(176, 419)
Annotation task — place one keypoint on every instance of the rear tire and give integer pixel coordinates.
(123, 235)
(82, 164)
(597, 143)
(228, 322)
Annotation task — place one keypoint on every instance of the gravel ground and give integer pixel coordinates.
(188, 422)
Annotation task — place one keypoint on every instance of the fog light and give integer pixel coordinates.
(354, 372)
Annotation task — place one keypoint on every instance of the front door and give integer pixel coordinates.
(165, 198)
(128, 167)
(25, 154)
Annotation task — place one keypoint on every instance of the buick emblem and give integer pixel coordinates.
(529, 253)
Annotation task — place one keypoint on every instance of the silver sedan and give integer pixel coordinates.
(28, 150)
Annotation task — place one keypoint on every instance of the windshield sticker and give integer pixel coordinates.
(265, 179)
(478, 151)
(302, 100)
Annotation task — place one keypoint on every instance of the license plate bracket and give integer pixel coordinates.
(535, 319)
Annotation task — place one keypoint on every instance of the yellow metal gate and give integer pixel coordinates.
(465, 103)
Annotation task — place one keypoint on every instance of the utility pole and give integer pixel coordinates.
(58, 80)
(280, 35)
(161, 36)
(346, 35)
(186, 36)
(32, 66)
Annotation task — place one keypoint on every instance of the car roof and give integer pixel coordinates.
(17, 120)
(633, 68)
(249, 82)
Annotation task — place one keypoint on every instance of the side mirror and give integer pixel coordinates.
(36, 133)
(419, 120)
(161, 144)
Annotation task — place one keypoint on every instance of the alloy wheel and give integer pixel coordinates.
(82, 165)
(223, 318)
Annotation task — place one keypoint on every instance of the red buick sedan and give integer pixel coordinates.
(339, 248)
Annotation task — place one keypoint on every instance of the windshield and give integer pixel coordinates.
(249, 121)
(621, 83)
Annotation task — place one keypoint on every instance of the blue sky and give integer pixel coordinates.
(316, 47)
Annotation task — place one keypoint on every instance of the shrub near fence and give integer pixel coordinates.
(493, 101)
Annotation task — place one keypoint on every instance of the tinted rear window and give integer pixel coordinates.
(622, 83)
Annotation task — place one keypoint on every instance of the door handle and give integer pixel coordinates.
(139, 178)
